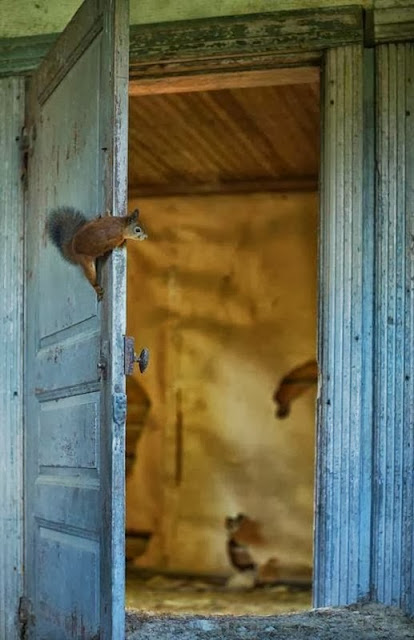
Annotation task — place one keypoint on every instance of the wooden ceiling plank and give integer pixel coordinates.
(223, 80)
(283, 185)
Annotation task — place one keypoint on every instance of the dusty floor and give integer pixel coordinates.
(165, 608)
(160, 594)
(367, 622)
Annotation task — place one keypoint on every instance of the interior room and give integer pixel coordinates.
(223, 293)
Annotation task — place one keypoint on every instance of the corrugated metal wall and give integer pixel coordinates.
(11, 355)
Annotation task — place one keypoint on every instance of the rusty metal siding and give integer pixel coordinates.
(11, 370)
(393, 530)
(344, 431)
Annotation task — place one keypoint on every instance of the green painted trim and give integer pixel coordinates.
(287, 30)
(254, 40)
(263, 40)
(394, 25)
(239, 42)
(22, 55)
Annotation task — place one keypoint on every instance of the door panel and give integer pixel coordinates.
(74, 441)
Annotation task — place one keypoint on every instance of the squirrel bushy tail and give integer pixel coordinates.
(62, 225)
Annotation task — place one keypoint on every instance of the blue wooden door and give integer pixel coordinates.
(74, 375)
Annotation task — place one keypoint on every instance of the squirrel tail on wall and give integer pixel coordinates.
(62, 225)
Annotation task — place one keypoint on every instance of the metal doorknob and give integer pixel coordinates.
(130, 357)
(142, 359)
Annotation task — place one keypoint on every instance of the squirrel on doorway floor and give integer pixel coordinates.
(81, 241)
(239, 555)
(249, 554)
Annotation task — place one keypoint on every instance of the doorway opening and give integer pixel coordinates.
(221, 427)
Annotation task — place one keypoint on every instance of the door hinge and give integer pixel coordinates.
(102, 365)
(119, 407)
(25, 617)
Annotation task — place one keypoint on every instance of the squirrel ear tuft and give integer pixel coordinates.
(134, 215)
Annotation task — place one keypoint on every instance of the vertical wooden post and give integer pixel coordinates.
(393, 492)
(11, 363)
(345, 348)
(114, 136)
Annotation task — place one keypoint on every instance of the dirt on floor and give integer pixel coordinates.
(163, 594)
(357, 622)
(161, 607)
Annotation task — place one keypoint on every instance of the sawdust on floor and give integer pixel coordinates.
(161, 594)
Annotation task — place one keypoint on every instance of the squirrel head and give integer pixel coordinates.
(244, 530)
(134, 230)
(232, 524)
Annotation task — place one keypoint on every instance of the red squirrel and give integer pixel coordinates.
(293, 385)
(81, 241)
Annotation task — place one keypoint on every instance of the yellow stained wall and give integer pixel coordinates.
(224, 295)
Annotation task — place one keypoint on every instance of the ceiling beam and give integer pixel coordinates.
(223, 80)
(277, 185)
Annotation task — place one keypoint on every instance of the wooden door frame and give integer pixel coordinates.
(296, 57)
(237, 52)
(247, 50)
(393, 465)
(12, 100)
(253, 41)
(161, 55)
(343, 493)
(164, 57)
(198, 47)
(253, 67)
